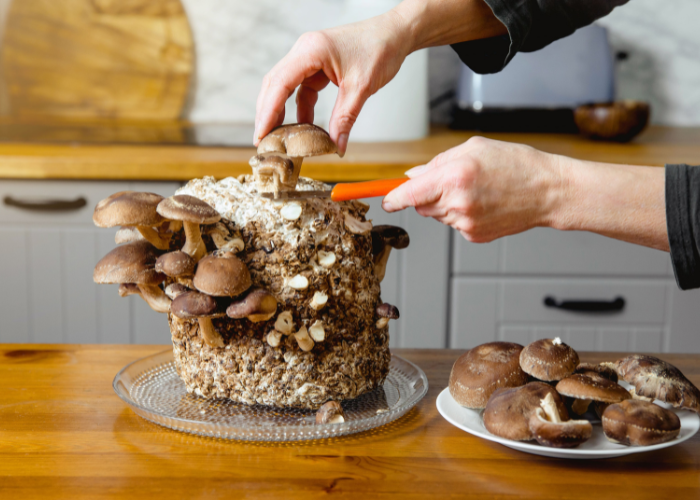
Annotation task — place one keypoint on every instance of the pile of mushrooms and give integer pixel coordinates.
(183, 277)
(528, 393)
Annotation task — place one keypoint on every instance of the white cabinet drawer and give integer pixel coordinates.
(547, 251)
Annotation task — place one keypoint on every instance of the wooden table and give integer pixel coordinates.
(64, 434)
(161, 151)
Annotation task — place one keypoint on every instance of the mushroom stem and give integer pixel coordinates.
(154, 237)
(209, 333)
(380, 262)
(194, 245)
(155, 297)
(580, 406)
(550, 409)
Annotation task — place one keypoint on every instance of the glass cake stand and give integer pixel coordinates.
(154, 391)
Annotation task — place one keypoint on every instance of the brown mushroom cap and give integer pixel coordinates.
(258, 305)
(222, 275)
(174, 290)
(129, 263)
(299, 139)
(191, 305)
(600, 369)
(639, 423)
(479, 372)
(175, 264)
(187, 208)
(592, 387)
(548, 359)
(508, 411)
(385, 310)
(128, 208)
(330, 413)
(394, 236)
(658, 379)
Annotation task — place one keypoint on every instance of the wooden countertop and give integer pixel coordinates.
(160, 156)
(65, 434)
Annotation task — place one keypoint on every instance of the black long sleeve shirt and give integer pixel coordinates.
(533, 24)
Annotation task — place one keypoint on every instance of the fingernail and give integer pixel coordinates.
(255, 134)
(342, 144)
(387, 206)
(416, 171)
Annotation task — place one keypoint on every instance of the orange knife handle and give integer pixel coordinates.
(370, 189)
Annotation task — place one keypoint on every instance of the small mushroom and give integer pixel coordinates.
(386, 312)
(549, 430)
(291, 211)
(258, 305)
(275, 174)
(639, 423)
(176, 264)
(655, 378)
(318, 301)
(590, 387)
(330, 413)
(482, 370)
(326, 259)
(298, 282)
(384, 238)
(548, 359)
(317, 332)
(285, 323)
(508, 411)
(131, 208)
(192, 212)
(355, 225)
(305, 342)
(274, 338)
(223, 275)
(298, 140)
(174, 290)
(223, 240)
(191, 305)
(134, 263)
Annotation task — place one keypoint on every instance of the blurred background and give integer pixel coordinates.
(97, 96)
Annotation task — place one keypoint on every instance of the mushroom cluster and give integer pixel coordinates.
(528, 393)
(269, 301)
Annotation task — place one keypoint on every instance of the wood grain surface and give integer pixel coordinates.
(64, 434)
(363, 161)
(97, 58)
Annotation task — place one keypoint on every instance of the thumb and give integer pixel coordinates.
(425, 189)
(345, 112)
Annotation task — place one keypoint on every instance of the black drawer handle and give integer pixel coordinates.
(615, 305)
(46, 205)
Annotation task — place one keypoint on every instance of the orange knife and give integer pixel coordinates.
(344, 191)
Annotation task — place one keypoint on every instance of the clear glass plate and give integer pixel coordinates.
(154, 391)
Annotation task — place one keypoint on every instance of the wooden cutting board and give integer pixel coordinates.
(96, 58)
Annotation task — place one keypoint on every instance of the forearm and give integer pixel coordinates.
(624, 202)
(442, 22)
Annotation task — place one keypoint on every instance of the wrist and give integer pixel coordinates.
(558, 200)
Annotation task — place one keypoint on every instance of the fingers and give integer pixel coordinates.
(307, 96)
(345, 112)
(424, 190)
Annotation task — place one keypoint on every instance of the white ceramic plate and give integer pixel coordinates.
(596, 447)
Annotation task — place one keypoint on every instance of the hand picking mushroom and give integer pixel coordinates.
(258, 305)
(590, 387)
(658, 379)
(386, 312)
(131, 208)
(330, 413)
(298, 140)
(192, 212)
(479, 372)
(222, 275)
(550, 430)
(191, 305)
(548, 359)
(639, 423)
(508, 411)
(176, 264)
(384, 238)
(134, 263)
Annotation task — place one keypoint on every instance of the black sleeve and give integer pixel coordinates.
(531, 24)
(683, 223)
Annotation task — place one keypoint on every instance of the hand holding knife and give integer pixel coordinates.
(344, 191)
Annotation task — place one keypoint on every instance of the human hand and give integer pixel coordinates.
(359, 58)
(485, 189)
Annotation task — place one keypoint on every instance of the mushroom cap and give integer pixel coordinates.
(257, 301)
(567, 434)
(654, 378)
(548, 359)
(188, 209)
(593, 387)
(129, 263)
(508, 411)
(222, 275)
(128, 208)
(479, 372)
(597, 369)
(394, 236)
(190, 305)
(639, 423)
(385, 310)
(299, 139)
(330, 413)
(176, 263)
(174, 290)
